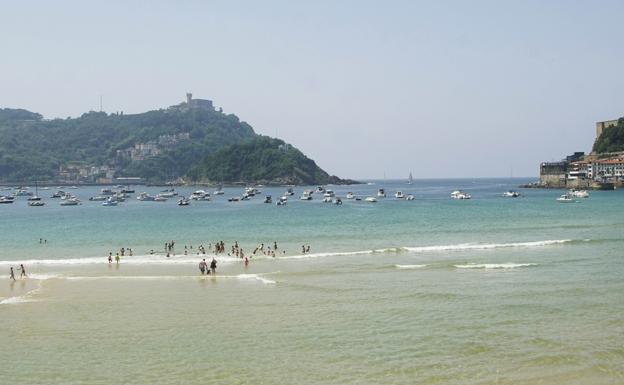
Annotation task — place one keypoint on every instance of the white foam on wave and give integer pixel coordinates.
(257, 277)
(22, 298)
(494, 265)
(410, 266)
(158, 259)
(485, 246)
(127, 260)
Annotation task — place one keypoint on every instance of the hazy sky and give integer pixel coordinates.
(441, 88)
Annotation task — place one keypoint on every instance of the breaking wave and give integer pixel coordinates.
(494, 265)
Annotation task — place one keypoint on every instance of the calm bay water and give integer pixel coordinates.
(491, 290)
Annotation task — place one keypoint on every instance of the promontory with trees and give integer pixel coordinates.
(190, 142)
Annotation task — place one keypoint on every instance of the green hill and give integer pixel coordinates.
(611, 139)
(261, 160)
(158, 146)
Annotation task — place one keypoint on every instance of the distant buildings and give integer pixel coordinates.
(584, 171)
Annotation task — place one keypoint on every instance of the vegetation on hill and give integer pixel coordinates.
(35, 149)
(611, 139)
(159, 146)
(261, 160)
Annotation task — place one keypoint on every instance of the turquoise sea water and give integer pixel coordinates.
(491, 290)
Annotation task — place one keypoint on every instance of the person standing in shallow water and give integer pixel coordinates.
(12, 274)
(213, 266)
(22, 271)
(203, 266)
(117, 258)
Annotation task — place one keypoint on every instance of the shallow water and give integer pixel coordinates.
(433, 291)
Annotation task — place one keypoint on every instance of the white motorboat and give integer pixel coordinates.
(6, 199)
(410, 197)
(458, 194)
(218, 191)
(511, 194)
(307, 196)
(399, 195)
(337, 201)
(145, 197)
(289, 192)
(381, 193)
(565, 198)
(106, 191)
(23, 193)
(58, 194)
(350, 195)
(184, 201)
(169, 193)
(110, 202)
(268, 199)
(329, 194)
(36, 203)
(159, 198)
(200, 195)
(579, 193)
(72, 201)
(98, 198)
(282, 201)
(371, 199)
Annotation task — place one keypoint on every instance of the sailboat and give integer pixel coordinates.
(410, 180)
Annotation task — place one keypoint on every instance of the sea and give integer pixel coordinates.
(491, 290)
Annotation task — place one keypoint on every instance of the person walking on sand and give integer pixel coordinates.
(213, 266)
(203, 266)
(12, 274)
(23, 271)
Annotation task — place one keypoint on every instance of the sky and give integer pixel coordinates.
(365, 88)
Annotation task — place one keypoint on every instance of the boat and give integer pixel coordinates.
(58, 194)
(246, 197)
(511, 194)
(110, 202)
(327, 199)
(98, 198)
(184, 201)
(381, 193)
(410, 179)
(458, 194)
(144, 197)
(23, 193)
(337, 201)
(320, 189)
(127, 190)
(307, 196)
(36, 203)
(289, 192)
(579, 193)
(200, 195)
(159, 198)
(329, 194)
(268, 199)
(106, 191)
(168, 193)
(219, 190)
(234, 199)
(399, 195)
(71, 201)
(282, 201)
(565, 198)
(410, 197)
(350, 195)
(371, 199)
(6, 199)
